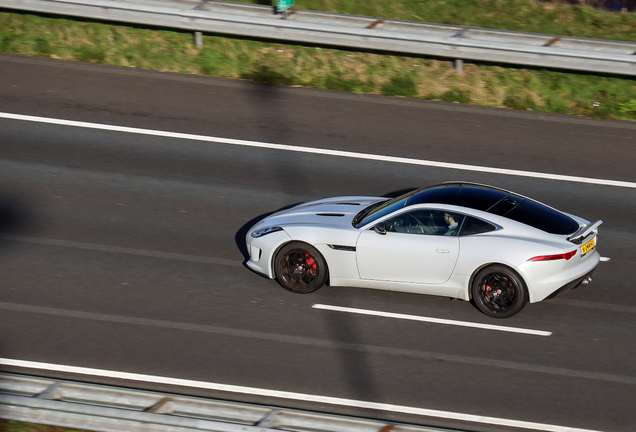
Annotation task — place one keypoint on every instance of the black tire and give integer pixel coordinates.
(499, 292)
(300, 268)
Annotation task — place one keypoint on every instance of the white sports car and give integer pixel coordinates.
(459, 240)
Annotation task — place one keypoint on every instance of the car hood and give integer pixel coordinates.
(337, 211)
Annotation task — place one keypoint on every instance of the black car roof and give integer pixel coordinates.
(497, 201)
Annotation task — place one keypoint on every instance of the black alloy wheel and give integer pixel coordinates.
(499, 292)
(300, 268)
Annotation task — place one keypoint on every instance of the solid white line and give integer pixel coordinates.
(432, 320)
(290, 395)
(312, 150)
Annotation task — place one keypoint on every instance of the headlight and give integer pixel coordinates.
(265, 231)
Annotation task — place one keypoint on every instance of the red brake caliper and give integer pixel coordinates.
(488, 289)
(311, 263)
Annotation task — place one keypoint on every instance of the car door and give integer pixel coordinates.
(413, 248)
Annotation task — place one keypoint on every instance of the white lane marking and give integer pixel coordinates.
(432, 320)
(605, 259)
(312, 150)
(289, 395)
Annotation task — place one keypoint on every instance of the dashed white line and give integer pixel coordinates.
(312, 150)
(290, 395)
(432, 320)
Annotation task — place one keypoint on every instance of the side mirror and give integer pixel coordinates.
(380, 228)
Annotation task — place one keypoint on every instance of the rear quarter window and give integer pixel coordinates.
(473, 226)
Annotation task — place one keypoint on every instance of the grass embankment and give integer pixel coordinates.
(540, 90)
(536, 16)
(15, 426)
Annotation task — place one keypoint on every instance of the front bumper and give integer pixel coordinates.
(262, 251)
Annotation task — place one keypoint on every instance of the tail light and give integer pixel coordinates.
(565, 256)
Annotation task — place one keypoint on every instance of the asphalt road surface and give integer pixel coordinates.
(123, 251)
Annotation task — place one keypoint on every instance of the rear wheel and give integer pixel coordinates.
(499, 292)
(300, 268)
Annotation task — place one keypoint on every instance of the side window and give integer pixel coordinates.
(427, 222)
(406, 223)
(451, 222)
(475, 226)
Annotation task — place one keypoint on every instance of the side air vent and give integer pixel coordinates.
(342, 248)
(330, 214)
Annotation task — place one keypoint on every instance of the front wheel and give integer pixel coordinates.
(300, 268)
(499, 292)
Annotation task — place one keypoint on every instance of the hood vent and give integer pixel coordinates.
(346, 203)
(330, 214)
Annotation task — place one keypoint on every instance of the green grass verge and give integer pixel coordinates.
(359, 72)
(536, 16)
(16, 426)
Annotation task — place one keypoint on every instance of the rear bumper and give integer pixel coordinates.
(547, 279)
(572, 285)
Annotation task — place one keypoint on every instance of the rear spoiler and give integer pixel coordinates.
(584, 231)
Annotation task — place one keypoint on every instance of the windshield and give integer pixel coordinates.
(377, 210)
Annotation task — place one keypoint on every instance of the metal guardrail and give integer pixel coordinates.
(354, 32)
(107, 408)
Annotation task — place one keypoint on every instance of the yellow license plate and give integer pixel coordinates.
(588, 246)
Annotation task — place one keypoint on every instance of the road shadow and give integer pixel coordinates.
(269, 113)
(355, 360)
(15, 217)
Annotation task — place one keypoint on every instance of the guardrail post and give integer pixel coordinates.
(459, 66)
(198, 39)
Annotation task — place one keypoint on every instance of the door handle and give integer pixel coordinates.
(442, 251)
